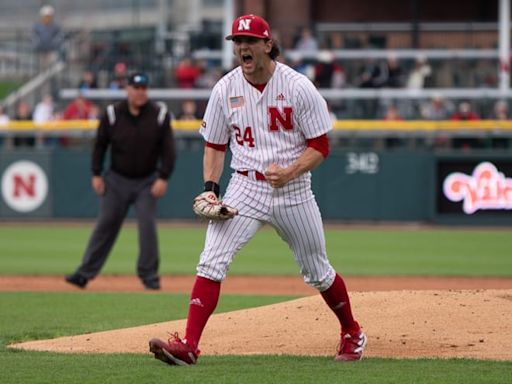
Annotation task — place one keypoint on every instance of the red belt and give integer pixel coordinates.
(259, 176)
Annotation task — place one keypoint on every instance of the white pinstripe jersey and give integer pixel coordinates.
(265, 127)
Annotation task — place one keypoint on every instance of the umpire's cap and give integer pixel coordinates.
(250, 25)
(138, 79)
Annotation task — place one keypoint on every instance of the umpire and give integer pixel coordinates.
(142, 156)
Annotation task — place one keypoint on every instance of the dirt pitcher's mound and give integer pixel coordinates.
(401, 324)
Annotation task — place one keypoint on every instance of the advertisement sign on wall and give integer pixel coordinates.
(474, 187)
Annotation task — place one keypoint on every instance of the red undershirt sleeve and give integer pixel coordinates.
(320, 143)
(218, 147)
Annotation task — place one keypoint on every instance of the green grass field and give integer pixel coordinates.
(55, 249)
(7, 86)
(43, 250)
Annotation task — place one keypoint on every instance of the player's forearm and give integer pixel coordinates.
(309, 160)
(213, 164)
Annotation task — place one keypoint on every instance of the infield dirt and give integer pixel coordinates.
(403, 317)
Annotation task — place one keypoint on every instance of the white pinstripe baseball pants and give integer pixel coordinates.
(291, 210)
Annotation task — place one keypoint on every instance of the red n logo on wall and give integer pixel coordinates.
(24, 185)
(280, 119)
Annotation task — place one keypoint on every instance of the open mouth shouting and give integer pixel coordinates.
(247, 60)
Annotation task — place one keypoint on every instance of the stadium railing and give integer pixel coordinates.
(342, 129)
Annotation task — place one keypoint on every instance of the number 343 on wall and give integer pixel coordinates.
(362, 162)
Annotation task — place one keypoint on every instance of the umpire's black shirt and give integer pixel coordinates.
(139, 145)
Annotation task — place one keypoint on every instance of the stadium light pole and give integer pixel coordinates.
(504, 44)
(227, 50)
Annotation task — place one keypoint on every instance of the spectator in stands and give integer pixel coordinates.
(209, 75)
(421, 75)
(392, 113)
(443, 76)
(88, 81)
(297, 62)
(395, 74)
(484, 74)
(187, 73)
(47, 38)
(4, 117)
(43, 112)
(374, 74)
(336, 40)
(189, 111)
(4, 120)
(78, 109)
(120, 79)
(436, 109)
(465, 113)
(501, 112)
(23, 113)
(306, 41)
(328, 73)
(95, 112)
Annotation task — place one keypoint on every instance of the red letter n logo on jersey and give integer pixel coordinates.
(278, 118)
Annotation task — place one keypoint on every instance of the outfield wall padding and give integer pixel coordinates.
(349, 186)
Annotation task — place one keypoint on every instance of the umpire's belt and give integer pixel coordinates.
(253, 175)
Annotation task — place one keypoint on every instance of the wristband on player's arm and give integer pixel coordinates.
(212, 186)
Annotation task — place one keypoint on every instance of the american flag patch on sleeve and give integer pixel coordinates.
(236, 102)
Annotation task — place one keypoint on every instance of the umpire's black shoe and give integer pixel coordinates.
(77, 280)
(153, 284)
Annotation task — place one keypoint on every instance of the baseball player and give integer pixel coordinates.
(276, 124)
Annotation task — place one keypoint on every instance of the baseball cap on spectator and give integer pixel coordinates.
(250, 25)
(138, 80)
(46, 10)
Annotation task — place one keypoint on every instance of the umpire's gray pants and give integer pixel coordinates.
(120, 194)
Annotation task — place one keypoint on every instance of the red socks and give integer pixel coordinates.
(205, 296)
(203, 301)
(336, 297)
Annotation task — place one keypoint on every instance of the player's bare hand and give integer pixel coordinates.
(159, 188)
(277, 176)
(98, 185)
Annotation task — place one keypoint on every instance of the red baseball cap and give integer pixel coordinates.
(250, 25)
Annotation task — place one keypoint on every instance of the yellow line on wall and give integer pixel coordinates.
(339, 125)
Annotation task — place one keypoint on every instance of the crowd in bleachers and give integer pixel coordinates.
(327, 73)
(307, 54)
